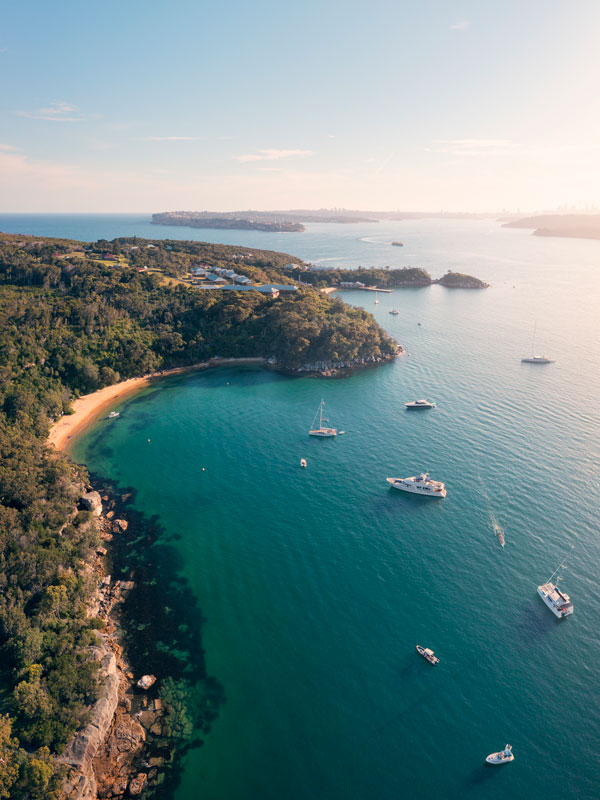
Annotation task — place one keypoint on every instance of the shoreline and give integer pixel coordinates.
(89, 407)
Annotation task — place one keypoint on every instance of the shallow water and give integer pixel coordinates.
(316, 584)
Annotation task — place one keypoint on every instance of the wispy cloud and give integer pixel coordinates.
(175, 138)
(7, 147)
(273, 155)
(461, 25)
(55, 112)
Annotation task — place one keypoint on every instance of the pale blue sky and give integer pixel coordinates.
(428, 104)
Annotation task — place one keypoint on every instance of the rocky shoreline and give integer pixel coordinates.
(128, 740)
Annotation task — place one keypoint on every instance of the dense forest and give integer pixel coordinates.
(75, 318)
(386, 278)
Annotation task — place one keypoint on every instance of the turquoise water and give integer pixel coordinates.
(315, 585)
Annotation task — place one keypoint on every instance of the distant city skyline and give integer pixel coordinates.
(430, 106)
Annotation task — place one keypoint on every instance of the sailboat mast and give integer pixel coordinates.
(533, 340)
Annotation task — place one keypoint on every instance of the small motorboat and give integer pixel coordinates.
(303, 462)
(394, 312)
(113, 415)
(500, 535)
(418, 323)
(502, 756)
(427, 654)
(420, 404)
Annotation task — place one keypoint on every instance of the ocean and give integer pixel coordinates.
(311, 587)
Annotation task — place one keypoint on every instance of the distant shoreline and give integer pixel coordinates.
(90, 407)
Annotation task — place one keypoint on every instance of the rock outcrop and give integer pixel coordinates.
(86, 742)
(91, 501)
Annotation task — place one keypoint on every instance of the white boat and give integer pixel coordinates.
(303, 462)
(533, 359)
(502, 756)
(321, 431)
(394, 312)
(558, 602)
(376, 299)
(113, 415)
(420, 404)
(419, 484)
(428, 654)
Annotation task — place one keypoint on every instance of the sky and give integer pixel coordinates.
(428, 105)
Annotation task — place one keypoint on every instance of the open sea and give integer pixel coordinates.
(311, 587)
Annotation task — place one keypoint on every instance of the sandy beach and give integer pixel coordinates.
(90, 407)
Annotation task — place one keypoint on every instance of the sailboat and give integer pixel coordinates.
(558, 602)
(322, 431)
(376, 299)
(533, 359)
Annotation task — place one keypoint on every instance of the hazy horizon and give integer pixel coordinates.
(465, 108)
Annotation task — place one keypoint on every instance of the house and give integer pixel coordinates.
(281, 287)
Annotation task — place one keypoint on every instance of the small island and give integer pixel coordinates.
(457, 280)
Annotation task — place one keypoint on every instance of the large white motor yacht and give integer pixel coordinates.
(419, 484)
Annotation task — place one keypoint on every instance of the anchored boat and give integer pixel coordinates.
(419, 484)
(558, 602)
(533, 359)
(420, 404)
(428, 654)
(502, 756)
(322, 430)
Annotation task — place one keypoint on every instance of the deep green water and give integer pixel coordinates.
(316, 584)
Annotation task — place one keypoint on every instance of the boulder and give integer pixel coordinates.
(146, 681)
(120, 526)
(136, 786)
(91, 501)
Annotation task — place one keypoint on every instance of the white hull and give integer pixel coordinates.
(405, 486)
(324, 434)
(557, 606)
(496, 759)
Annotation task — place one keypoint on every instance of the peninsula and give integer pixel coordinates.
(377, 277)
(574, 226)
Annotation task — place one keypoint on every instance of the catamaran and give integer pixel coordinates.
(558, 602)
(322, 430)
(533, 359)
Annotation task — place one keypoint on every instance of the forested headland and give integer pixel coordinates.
(76, 318)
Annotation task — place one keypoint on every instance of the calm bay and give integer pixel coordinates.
(313, 586)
